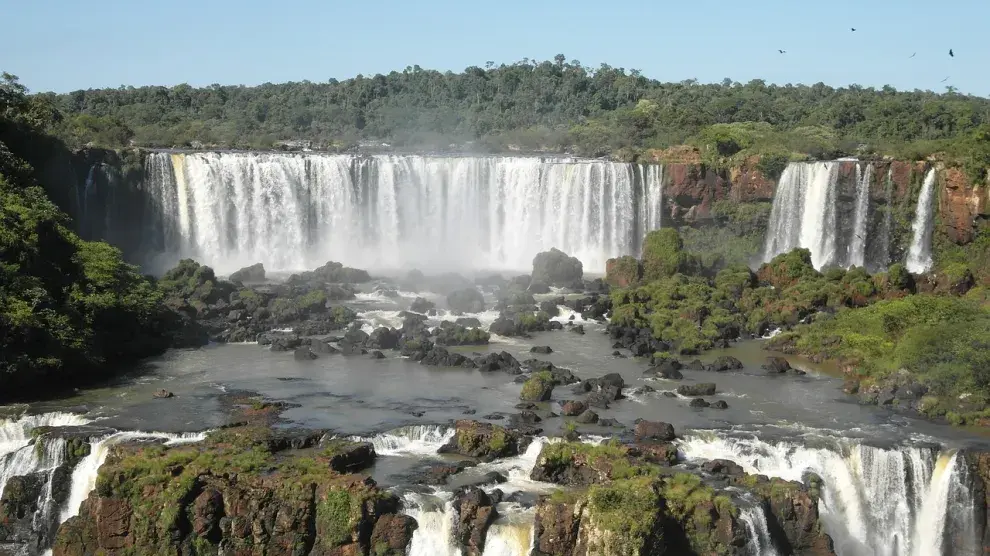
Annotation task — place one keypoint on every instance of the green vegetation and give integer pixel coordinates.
(736, 238)
(538, 105)
(663, 254)
(70, 310)
(628, 510)
(538, 387)
(942, 342)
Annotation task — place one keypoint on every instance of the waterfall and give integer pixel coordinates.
(857, 247)
(874, 501)
(422, 440)
(919, 257)
(18, 456)
(754, 519)
(84, 475)
(511, 536)
(436, 517)
(296, 211)
(804, 212)
(883, 256)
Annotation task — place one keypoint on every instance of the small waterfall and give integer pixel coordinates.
(883, 245)
(511, 536)
(84, 475)
(436, 517)
(804, 212)
(53, 458)
(754, 519)
(875, 502)
(857, 247)
(295, 211)
(919, 257)
(18, 456)
(422, 440)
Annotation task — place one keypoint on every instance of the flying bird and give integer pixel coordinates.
(944, 80)
(782, 51)
(853, 29)
(951, 54)
(912, 56)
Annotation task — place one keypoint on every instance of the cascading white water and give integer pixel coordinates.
(296, 211)
(760, 543)
(875, 501)
(857, 247)
(18, 456)
(84, 475)
(421, 440)
(511, 537)
(804, 212)
(436, 517)
(919, 258)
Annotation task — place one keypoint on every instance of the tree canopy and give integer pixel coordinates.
(530, 105)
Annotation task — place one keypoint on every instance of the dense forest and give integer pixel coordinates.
(533, 106)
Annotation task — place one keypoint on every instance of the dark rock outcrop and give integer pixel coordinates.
(483, 440)
(467, 300)
(556, 268)
(699, 389)
(250, 274)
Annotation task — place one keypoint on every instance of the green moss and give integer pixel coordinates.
(498, 441)
(537, 388)
(334, 516)
(627, 508)
(663, 254)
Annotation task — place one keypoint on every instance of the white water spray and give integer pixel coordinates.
(804, 212)
(296, 211)
(919, 258)
(857, 247)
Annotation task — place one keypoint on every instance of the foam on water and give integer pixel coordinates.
(416, 440)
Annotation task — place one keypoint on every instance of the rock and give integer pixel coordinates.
(599, 400)
(579, 329)
(420, 305)
(699, 389)
(352, 456)
(383, 338)
(502, 361)
(392, 534)
(654, 431)
(468, 322)
(556, 527)
(777, 365)
(725, 363)
(330, 273)
(556, 268)
(720, 404)
(699, 402)
(504, 326)
(482, 440)
(322, 347)
(723, 467)
(349, 349)
(377, 355)
(538, 288)
(587, 417)
(544, 350)
(163, 394)
(623, 271)
(468, 300)
(611, 379)
(475, 514)
(572, 408)
(304, 354)
(538, 388)
(453, 334)
(695, 365)
(440, 357)
(250, 274)
(666, 369)
(550, 307)
(609, 423)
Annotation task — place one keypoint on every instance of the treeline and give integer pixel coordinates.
(546, 105)
(70, 310)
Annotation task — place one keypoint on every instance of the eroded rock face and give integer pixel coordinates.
(475, 514)
(960, 203)
(483, 440)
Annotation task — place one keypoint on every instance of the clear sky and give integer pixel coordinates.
(63, 45)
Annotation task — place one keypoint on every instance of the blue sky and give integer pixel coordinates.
(63, 45)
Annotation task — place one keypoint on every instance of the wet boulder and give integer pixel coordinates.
(468, 322)
(249, 274)
(304, 354)
(475, 514)
(777, 365)
(163, 394)
(502, 361)
(393, 533)
(572, 408)
(725, 363)
(654, 431)
(556, 268)
(421, 305)
(699, 402)
(484, 441)
(550, 307)
(538, 387)
(538, 288)
(383, 338)
(587, 417)
(467, 300)
(440, 357)
(543, 350)
(719, 404)
(452, 334)
(699, 389)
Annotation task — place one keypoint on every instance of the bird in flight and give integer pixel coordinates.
(912, 56)
(782, 51)
(853, 29)
(946, 79)
(951, 54)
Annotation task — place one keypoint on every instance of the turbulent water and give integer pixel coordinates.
(875, 501)
(296, 211)
(919, 258)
